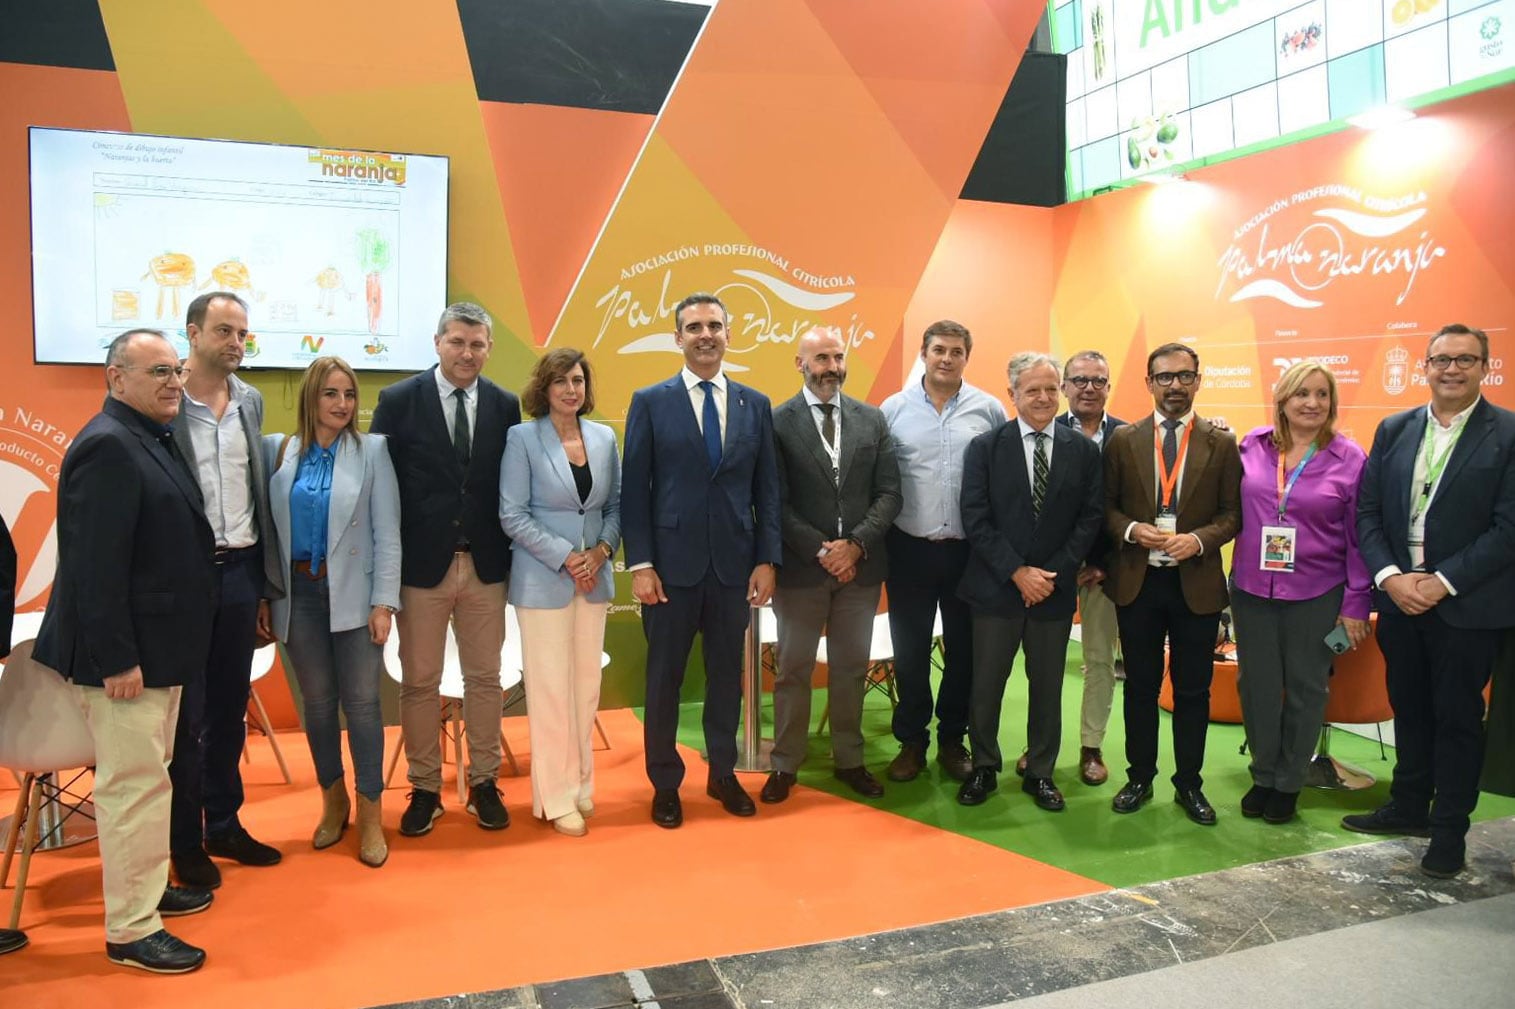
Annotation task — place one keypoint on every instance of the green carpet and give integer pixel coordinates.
(1156, 843)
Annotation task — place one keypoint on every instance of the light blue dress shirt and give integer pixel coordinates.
(930, 448)
(310, 504)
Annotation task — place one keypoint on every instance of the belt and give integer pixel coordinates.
(232, 555)
(304, 568)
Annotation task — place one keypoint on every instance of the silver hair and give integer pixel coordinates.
(1086, 355)
(1025, 361)
(465, 312)
(115, 354)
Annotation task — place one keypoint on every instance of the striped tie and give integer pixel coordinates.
(1039, 473)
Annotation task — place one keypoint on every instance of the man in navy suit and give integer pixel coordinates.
(1032, 504)
(129, 624)
(700, 521)
(446, 429)
(1436, 525)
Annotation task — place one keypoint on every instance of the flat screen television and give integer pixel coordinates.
(335, 251)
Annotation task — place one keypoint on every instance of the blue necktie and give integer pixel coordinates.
(711, 422)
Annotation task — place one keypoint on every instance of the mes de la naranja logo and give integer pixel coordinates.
(1295, 248)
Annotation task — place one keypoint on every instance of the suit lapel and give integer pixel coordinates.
(852, 431)
(738, 419)
(178, 474)
(346, 487)
(1480, 424)
(1061, 461)
(802, 423)
(434, 418)
(557, 456)
(1146, 464)
(1195, 461)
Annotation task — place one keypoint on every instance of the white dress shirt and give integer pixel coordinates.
(697, 398)
(223, 470)
(445, 389)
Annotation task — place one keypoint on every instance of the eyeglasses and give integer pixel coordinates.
(1085, 381)
(161, 372)
(1441, 362)
(1166, 378)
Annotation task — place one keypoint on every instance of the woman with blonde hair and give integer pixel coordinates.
(336, 511)
(1296, 576)
(560, 503)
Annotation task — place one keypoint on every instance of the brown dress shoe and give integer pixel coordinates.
(1091, 766)
(1020, 765)
(910, 763)
(955, 760)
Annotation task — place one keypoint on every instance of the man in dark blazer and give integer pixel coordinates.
(1436, 526)
(1032, 505)
(840, 487)
(129, 622)
(219, 432)
(446, 429)
(1172, 499)
(700, 521)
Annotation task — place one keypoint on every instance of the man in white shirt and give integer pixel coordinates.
(1436, 526)
(219, 433)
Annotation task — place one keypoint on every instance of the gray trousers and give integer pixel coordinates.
(845, 614)
(1283, 672)
(996, 639)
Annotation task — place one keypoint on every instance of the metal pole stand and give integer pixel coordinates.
(1325, 771)
(756, 751)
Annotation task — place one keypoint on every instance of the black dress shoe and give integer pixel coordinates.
(181, 900)
(955, 760)
(1132, 796)
(240, 846)
(1196, 806)
(732, 798)
(195, 869)
(977, 788)
(1444, 858)
(160, 953)
(1255, 801)
(11, 939)
(1280, 807)
(667, 811)
(1044, 794)
(1388, 819)
(423, 810)
(776, 788)
(860, 781)
(485, 806)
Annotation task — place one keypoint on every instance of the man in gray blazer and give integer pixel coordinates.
(840, 488)
(220, 435)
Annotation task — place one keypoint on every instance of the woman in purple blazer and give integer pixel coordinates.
(1296, 575)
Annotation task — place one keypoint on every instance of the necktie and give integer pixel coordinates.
(1039, 473)
(1170, 444)
(711, 422)
(461, 443)
(828, 423)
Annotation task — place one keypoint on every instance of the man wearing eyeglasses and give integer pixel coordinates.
(220, 434)
(1172, 499)
(129, 623)
(1436, 525)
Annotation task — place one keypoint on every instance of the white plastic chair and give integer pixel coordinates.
(451, 693)
(262, 662)
(880, 672)
(42, 731)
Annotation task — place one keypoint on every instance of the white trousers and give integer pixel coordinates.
(561, 650)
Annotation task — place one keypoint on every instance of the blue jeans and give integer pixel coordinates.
(344, 666)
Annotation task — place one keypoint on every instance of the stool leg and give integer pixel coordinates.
(268, 734)
(394, 759)
(600, 729)
(18, 820)
(457, 748)
(28, 846)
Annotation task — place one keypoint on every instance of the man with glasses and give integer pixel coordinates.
(220, 436)
(1436, 526)
(1172, 499)
(129, 623)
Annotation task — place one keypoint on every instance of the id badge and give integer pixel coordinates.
(1278, 549)
(1166, 523)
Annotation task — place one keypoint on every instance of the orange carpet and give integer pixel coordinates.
(467, 910)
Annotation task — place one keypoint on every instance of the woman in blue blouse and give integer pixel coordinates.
(336, 510)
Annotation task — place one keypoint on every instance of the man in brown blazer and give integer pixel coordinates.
(1172, 499)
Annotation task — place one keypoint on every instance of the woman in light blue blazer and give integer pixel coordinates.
(560, 503)
(336, 511)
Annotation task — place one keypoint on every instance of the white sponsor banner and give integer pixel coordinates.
(1149, 32)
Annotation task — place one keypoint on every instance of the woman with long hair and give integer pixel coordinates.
(336, 510)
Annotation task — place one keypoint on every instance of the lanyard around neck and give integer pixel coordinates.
(1284, 490)
(1434, 466)
(1169, 480)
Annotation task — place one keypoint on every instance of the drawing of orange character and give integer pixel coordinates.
(170, 272)
(229, 275)
(329, 281)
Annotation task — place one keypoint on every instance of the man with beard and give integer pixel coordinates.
(1172, 499)
(841, 491)
(220, 435)
(700, 523)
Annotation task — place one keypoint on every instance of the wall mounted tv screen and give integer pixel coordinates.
(335, 251)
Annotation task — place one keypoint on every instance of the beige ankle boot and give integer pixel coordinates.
(334, 809)
(373, 849)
